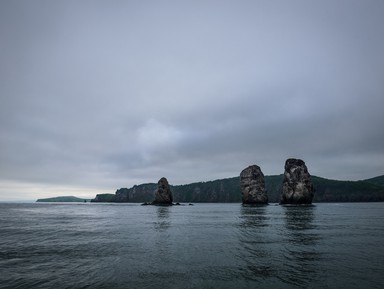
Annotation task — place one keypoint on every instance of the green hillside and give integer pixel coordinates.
(346, 191)
(62, 199)
(377, 180)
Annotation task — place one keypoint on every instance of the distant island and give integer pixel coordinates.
(228, 191)
(64, 199)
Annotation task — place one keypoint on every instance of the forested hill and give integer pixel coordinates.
(347, 191)
(377, 180)
(228, 190)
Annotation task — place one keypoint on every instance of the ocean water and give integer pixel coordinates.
(202, 246)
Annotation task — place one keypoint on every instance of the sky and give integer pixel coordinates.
(98, 95)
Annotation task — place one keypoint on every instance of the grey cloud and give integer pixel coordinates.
(109, 94)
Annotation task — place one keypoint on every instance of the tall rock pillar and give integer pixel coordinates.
(252, 186)
(163, 195)
(297, 184)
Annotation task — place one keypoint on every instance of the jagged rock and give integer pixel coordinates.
(252, 186)
(163, 195)
(297, 184)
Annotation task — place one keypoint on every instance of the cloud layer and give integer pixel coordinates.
(98, 95)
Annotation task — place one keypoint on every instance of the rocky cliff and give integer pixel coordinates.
(222, 191)
(104, 198)
(136, 194)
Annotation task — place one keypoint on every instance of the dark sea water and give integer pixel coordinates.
(202, 246)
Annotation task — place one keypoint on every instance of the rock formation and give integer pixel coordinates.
(297, 184)
(252, 186)
(163, 195)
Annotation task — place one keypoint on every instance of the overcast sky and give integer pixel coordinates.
(98, 95)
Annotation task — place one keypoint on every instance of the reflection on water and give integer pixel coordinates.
(299, 217)
(162, 245)
(279, 244)
(300, 248)
(253, 216)
(254, 249)
(162, 223)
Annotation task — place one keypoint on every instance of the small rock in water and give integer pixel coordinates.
(253, 186)
(297, 184)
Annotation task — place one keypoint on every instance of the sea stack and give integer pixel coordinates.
(163, 195)
(297, 184)
(252, 186)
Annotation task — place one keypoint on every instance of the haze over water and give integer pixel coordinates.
(200, 246)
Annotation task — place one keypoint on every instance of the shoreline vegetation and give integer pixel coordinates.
(228, 191)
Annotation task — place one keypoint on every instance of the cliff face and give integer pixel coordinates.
(220, 191)
(122, 195)
(136, 194)
(104, 198)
